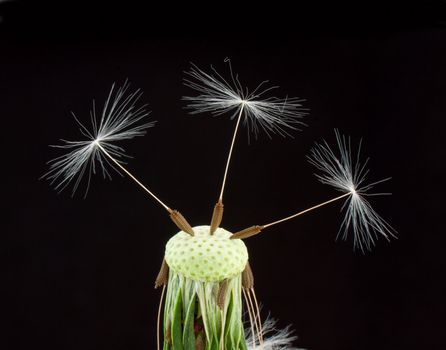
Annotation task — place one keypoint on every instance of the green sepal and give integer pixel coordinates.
(229, 340)
(177, 333)
(213, 344)
(189, 332)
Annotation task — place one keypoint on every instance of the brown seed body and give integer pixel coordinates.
(199, 342)
(221, 295)
(181, 222)
(217, 216)
(163, 275)
(247, 232)
(247, 277)
(168, 335)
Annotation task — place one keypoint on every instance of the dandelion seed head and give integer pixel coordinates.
(348, 174)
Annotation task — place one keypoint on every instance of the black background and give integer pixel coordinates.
(79, 273)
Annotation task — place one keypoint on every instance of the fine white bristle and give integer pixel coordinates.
(119, 120)
(274, 339)
(348, 175)
(218, 95)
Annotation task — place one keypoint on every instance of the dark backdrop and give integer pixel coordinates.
(79, 272)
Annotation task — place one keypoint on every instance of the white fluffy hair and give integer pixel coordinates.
(274, 339)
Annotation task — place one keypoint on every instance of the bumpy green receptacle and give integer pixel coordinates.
(204, 257)
(198, 266)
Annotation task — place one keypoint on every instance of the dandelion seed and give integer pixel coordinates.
(119, 121)
(346, 175)
(220, 96)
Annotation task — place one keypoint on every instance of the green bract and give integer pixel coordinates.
(205, 257)
(191, 315)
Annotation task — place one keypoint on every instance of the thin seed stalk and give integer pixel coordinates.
(230, 152)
